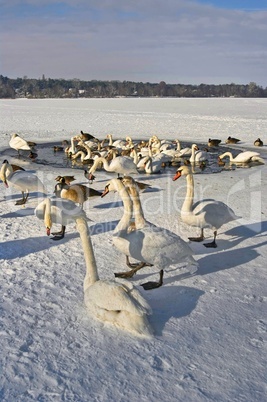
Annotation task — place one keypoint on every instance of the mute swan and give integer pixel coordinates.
(148, 243)
(76, 192)
(18, 143)
(204, 213)
(21, 180)
(58, 211)
(198, 155)
(120, 165)
(258, 142)
(232, 140)
(243, 157)
(119, 304)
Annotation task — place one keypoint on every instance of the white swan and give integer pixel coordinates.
(243, 157)
(152, 165)
(58, 211)
(147, 243)
(21, 180)
(18, 143)
(206, 213)
(119, 304)
(198, 155)
(120, 164)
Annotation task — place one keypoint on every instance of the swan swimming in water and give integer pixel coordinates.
(120, 165)
(243, 157)
(206, 213)
(21, 180)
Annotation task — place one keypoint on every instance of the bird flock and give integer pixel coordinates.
(118, 301)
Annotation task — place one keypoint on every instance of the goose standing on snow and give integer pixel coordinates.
(58, 211)
(243, 157)
(76, 192)
(21, 180)
(119, 304)
(153, 245)
(19, 144)
(207, 213)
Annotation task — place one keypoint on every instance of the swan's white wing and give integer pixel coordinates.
(26, 181)
(19, 143)
(113, 296)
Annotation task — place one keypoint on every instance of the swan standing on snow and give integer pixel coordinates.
(19, 144)
(243, 157)
(148, 243)
(21, 180)
(205, 213)
(119, 304)
(58, 211)
(120, 165)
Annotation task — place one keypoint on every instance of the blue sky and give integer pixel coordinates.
(176, 41)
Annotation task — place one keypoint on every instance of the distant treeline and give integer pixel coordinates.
(60, 88)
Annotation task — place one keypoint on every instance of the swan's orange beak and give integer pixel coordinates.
(177, 175)
(48, 231)
(105, 192)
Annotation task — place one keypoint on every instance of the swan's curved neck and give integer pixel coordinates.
(138, 210)
(91, 275)
(227, 154)
(189, 197)
(97, 163)
(127, 211)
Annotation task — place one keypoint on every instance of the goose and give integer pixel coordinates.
(58, 211)
(117, 303)
(258, 142)
(85, 136)
(242, 157)
(68, 179)
(19, 144)
(232, 140)
(206, 213)
(147, 243)
(198, 155)
(120, 165)
(76, 192)
(213, 142)
(21, 180)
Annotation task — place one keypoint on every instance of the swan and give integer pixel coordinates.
(177, 151)
(120, 165)
(58, 211)
(76, 192)
(152, 165)
(243, 157)
(151, 244)
(119, 304)
(198, 155)
(21, 180)
(18, 143)
(206, 213)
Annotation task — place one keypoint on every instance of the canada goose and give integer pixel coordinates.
(76, 192)
(214, 142)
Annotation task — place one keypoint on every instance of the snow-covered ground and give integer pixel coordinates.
(210, 328)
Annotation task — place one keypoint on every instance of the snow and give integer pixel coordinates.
(210, 328)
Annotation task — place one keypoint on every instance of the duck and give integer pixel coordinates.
(58, 211)
(21, 180)
(214, 142)
(19, 144)
(122, 165)
(57, 148)
(86, 136)
(207, 213)
(150, 244)
(119, 304)
(258, 142)
(242, 157)
(232, 140)
(77, 193)
(68, 179)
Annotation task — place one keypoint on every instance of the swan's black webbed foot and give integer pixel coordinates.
(21, 202)
(58, 237)
(153, 285)
(198, 239)
(211, 244)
